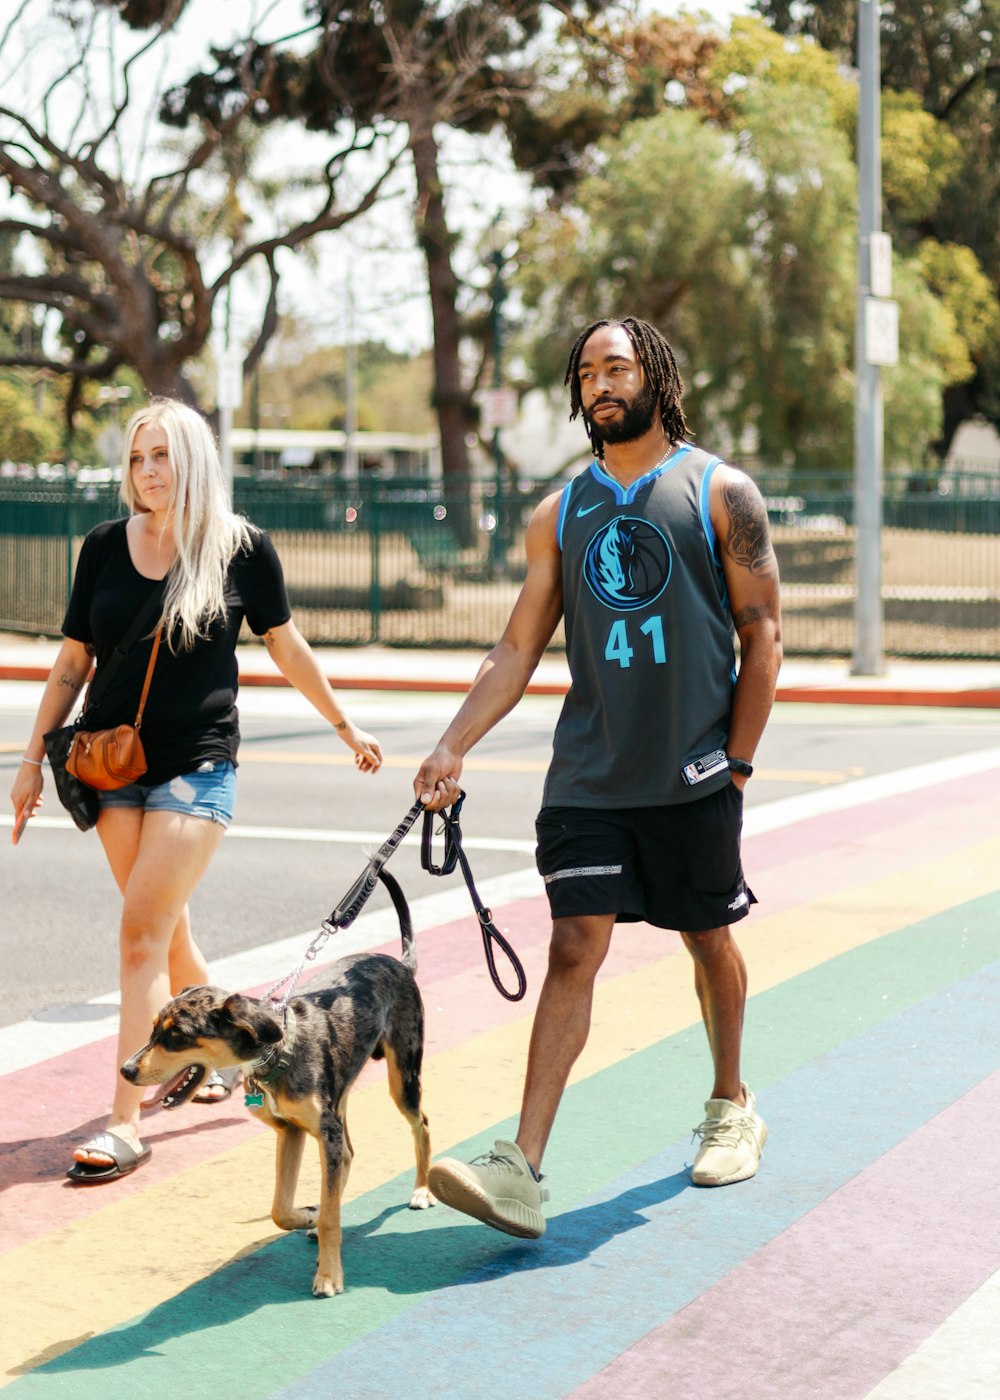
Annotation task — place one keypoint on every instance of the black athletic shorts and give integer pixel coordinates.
(677, 867)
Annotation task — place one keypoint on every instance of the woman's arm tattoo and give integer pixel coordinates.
(748, 543)
(70, 683)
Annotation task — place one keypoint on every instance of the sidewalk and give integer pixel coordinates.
(949, 683)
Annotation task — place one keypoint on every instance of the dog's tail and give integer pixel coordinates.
(409, 958)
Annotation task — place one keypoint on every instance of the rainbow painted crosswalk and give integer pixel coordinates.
(862, 1261)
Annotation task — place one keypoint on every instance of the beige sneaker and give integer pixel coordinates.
(497, 1188)
(732, 1140)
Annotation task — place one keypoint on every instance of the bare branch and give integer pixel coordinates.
(166, 24)
(269, 321)
(91, 369)
(15, 19)
(49, 232)
(68, 72)
(54, 288)
(324, 222)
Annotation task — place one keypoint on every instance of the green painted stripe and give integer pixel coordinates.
(251, 1329)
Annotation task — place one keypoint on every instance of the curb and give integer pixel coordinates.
(986, 699)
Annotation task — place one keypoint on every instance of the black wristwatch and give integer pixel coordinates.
(740, 765)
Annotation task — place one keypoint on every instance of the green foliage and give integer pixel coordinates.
(955, 275)
(756, 57)
(747, 268)
(940, 64)
(738, 240)
(27, 434)
(932, 355)
(919, 157)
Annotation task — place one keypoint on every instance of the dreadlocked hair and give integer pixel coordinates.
(659, 369)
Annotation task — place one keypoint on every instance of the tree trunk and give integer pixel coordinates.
(451, 401)
(958, 406)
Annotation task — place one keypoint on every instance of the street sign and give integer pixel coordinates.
(881, 331)
(497, 408)
(229, 385)
(880, 264)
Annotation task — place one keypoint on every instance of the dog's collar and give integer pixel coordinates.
(273, 1064)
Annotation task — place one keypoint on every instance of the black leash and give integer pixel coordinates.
(454, 854)
(361, 891)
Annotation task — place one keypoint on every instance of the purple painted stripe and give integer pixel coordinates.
(837, 1302)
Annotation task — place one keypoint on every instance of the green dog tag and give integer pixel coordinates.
(254, 1100)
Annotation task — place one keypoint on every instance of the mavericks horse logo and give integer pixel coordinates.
(627, 564)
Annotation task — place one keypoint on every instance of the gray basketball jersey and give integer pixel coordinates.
(649, 637)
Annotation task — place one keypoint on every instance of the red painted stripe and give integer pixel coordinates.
(872, 1271)
(960, 812)
(896, 695)
(983, 698)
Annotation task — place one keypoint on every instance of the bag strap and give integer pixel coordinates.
(149, 676)
(101, 683)
(454, 854)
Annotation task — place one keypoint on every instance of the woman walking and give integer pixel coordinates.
(201, 570)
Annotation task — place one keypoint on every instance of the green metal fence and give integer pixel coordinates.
(405, 563)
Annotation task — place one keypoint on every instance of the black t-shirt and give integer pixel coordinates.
(191, 714)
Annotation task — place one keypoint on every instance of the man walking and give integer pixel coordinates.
(655, 555)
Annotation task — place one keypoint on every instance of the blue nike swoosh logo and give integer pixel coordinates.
(581, 511)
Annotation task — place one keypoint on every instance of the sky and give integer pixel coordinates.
(366, 281)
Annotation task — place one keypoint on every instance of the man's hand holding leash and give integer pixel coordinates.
(436, 784)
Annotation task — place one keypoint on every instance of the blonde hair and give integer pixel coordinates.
(206, 532)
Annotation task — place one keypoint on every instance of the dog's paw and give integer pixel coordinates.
(308, 1220)
(326, 1285)
(422, 1199)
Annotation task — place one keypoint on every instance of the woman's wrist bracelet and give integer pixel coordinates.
(35, 762)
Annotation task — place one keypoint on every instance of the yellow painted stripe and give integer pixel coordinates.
(411, 764)
(202, 1218)
(820, 777)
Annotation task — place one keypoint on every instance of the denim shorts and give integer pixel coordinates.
(209, 792)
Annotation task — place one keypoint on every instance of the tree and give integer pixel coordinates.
(117, 265)
(421, 67)
(941, 62)
(748, 268)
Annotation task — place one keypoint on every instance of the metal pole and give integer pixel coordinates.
(350, 391)
(496, 318)
(868, 425)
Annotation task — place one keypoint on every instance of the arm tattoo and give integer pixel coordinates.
(69, 682)
(751, 614)
(749, 543)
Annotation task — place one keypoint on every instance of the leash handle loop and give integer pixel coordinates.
(454, 854)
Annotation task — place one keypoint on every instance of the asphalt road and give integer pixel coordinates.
(305, 818)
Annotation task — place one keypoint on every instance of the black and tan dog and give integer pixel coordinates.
(299, 1072)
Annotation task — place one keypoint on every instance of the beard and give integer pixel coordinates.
(637, 418)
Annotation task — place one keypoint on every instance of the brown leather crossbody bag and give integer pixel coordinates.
(106, 759)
